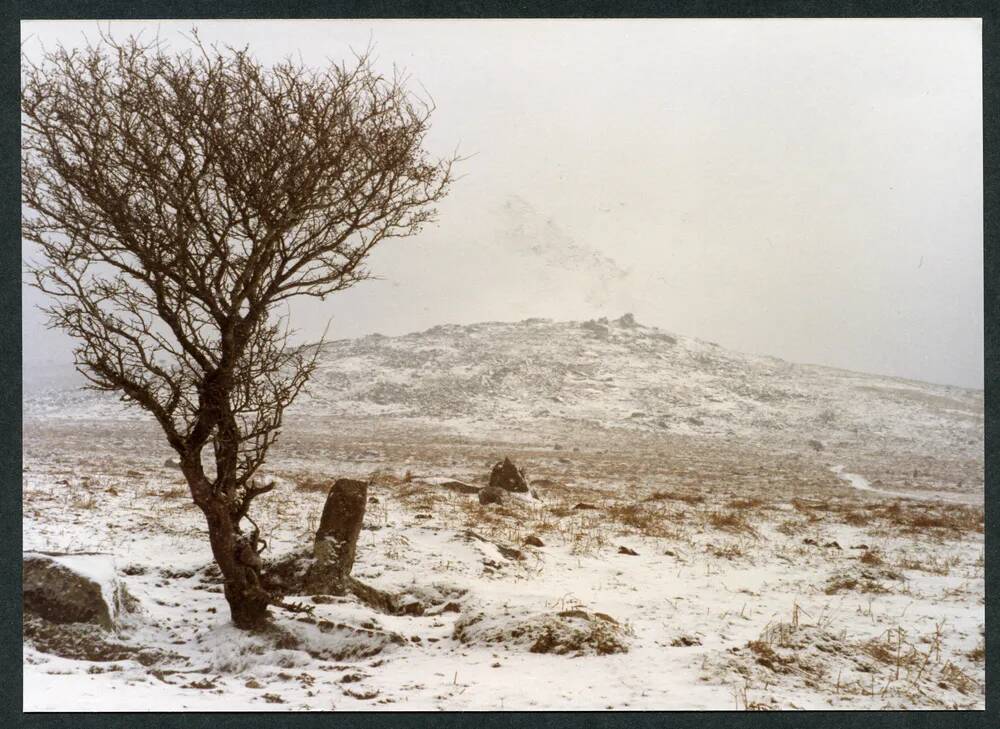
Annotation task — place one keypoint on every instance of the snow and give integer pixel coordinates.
(697, 593)
(98, 568)
(717, 601)
(440, 480)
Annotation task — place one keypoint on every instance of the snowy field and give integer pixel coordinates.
(676, 571)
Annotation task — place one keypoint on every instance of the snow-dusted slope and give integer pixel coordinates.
(607, 374)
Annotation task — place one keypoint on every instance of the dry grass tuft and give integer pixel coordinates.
(178, 492)
(790, 527)
(84, 502)
(856, 518)
(939, 519)
(751, 503)
(871, 557)
(930, 565)
(808, 505)
(952, 675)
(309, 482)
(864, 583)
(730, 550)
(765, 654)
(978, 654)
(731, 521)
(891, 649)
(383, 477)
(687, 498)
(653, 522)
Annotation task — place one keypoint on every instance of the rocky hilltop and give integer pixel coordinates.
(608, 374)
(618, 373)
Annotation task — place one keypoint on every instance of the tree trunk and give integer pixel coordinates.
(235, 551)
(237, 557)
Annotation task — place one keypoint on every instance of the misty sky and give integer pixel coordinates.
(810, 189)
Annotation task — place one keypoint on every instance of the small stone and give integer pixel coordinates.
(492, 495)
(411, 608)
(510, 552)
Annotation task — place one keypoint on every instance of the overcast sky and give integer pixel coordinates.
(809, 189)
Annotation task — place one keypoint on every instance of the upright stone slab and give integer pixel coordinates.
(337, 537)
(507, 476)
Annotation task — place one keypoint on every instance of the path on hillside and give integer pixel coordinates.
(862, 484)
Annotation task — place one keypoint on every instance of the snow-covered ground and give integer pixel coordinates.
(776, 563)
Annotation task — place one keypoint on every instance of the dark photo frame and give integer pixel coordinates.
(12, 445)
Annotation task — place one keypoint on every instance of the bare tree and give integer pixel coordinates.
(178, 199)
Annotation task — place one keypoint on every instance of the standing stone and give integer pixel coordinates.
(337, 537)
(507, 476)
